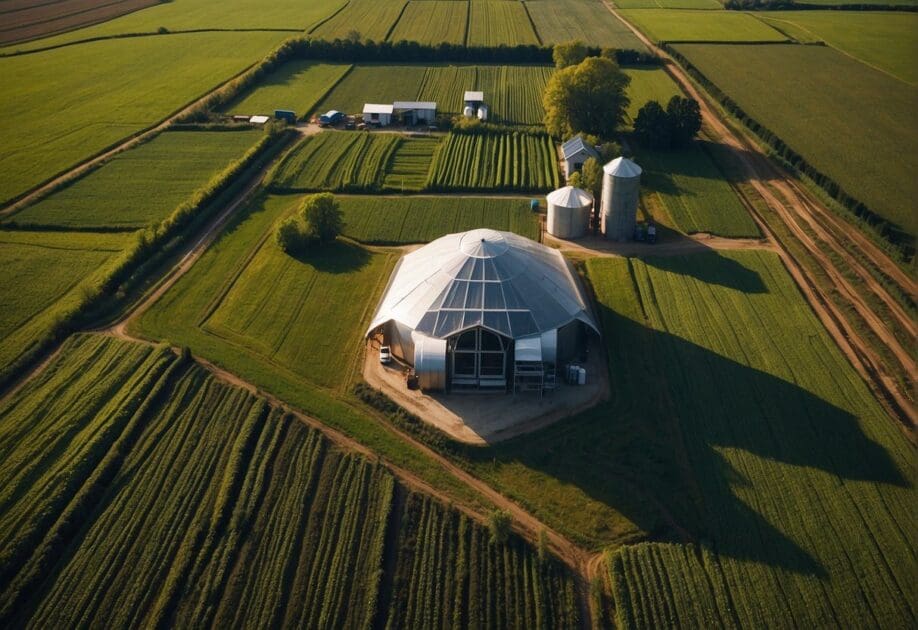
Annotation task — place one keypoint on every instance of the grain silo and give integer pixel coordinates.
(569, 212)
(621, 187)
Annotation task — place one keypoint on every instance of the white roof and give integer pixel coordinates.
(499, 280)
(622, 167)
(414, 105)
(259, 120)
(569, 197)
(575, 146)
(377, 108)
(473, 96)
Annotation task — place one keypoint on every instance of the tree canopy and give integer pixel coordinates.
(569, 54)
(588, 97)
(322, 215)
(673, 127)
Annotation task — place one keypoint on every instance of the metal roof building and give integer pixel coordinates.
(414, 112)
(377, 113)
(467, 309)
(575, 152)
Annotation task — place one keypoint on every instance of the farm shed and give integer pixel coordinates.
(575, 152)
(377, 113)
(472, 101)
(415, 112)
(484, 310)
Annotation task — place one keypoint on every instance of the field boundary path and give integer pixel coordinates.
(790, 203)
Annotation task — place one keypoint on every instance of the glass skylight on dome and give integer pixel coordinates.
(497, 280)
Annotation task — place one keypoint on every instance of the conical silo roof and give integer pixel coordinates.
(622, 167)
(569, 197)
(498, 280)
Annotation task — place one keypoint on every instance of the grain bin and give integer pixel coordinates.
(621, 187)
(569, 212)
(469, 111)
(483, 113)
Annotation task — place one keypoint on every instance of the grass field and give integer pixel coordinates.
(297, 86)
(338, 161)
(496, 22)
(803, 484)
(669, 25)
(587, 20)
(183, 15)
(373, 19)
(409, 167)
(513, 93)
(648, 84)
(432, 22)
(859, 128)
(695, 194)
(404, 220)
(888, 41)
(505, 161)
(669, 4)
(59, 107)
(141, 186)
(207, 507)
(43, 276)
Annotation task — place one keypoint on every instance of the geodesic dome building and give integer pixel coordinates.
(483, 309)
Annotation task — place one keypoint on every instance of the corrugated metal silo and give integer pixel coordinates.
(569, 212)
(621, 188)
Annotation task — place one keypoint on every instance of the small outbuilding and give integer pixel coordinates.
(473, 99)
(569, 212)
(575, 152)
(484, 310)
(416, 112)
(377, 114)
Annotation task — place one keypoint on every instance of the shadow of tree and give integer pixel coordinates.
(336, 257)
(727, 273)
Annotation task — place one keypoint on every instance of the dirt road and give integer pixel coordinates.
(793, 205)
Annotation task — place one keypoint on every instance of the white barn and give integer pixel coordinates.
(416, 112)
(484, 310)
(377, 114)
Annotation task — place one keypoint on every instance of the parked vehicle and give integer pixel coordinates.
(331, 118)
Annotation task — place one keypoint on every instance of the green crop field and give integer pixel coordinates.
(513, 93)
(183, 15)
(143, 185)
(207, 507)
(587, 20)
(371, 83)
(668, 25)
(496, 22)
(372, 19)
(505, 161)
(803, 485)
(44, 273)
(337, 161)
(59, 107)
(297, 86)
(409, 168)
(432, 22)
(694, 193)
(648, 84)
(888, 41)
(859, 129)
(493, 588)
(414, 219)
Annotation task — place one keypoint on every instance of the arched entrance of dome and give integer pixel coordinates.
(478, 359)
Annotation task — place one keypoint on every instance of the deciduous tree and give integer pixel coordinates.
(589, 98)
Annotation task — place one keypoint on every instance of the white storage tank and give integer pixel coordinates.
(569, 212)
(621, 188)
(483, 113)
(469, 111)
